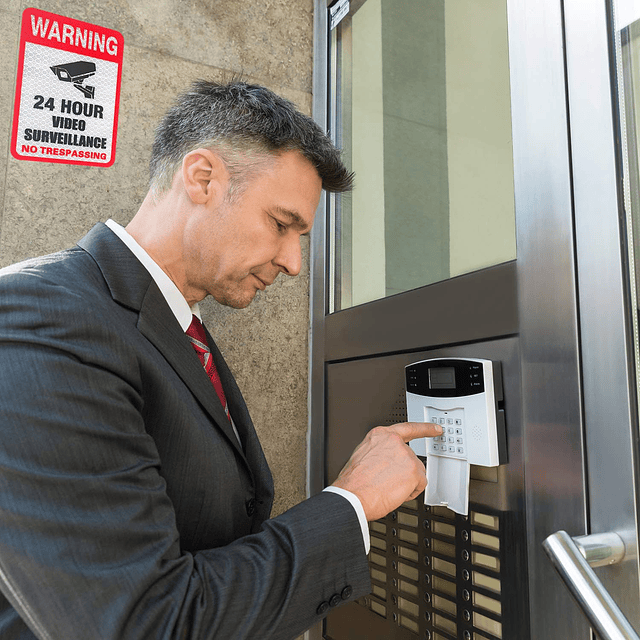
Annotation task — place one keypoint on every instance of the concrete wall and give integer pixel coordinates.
(168, 43)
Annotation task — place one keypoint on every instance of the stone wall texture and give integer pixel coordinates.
(45, 207)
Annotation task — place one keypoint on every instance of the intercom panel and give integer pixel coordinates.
(436, 573)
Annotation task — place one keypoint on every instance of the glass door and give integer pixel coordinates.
(470, 124)
(421, 255)
(420, 104)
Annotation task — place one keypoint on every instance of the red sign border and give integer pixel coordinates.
(27, 36)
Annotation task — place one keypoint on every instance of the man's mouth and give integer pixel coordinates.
(262, 284)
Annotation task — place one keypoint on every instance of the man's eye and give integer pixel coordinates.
(281, 227)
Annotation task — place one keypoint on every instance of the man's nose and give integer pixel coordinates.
(289, 257)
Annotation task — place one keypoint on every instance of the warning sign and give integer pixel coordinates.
(67, 91)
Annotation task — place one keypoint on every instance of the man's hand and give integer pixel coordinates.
(383, 472)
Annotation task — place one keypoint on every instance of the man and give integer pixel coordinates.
(134, 495)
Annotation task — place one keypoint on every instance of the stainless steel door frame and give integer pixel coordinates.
(551, 397)
(319, 280)
(610, 412)
(318, 283)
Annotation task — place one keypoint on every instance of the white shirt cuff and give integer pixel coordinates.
(357, 505)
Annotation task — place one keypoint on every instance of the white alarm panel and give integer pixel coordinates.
(462, 395)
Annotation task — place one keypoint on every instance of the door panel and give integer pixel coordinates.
(562, 318)
(477, 306)
(434, 570)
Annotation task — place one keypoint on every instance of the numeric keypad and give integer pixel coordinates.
(452, 442)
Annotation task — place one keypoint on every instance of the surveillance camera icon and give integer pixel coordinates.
(77, 73)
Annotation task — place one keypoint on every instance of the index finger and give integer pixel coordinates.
(412, 430)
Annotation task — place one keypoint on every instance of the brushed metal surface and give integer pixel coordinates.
(605, 320)
(537, 298)
(318, 264)
(599, 607)
(553, 444)
(601, 549)
(364, 393)
(317, 284)
(472, 307)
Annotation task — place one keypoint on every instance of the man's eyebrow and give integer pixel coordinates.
(293, 217)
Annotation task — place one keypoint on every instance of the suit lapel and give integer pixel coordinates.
(160, 327)
(238, 409)
(131, 285)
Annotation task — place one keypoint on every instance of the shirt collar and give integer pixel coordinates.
(176, 301)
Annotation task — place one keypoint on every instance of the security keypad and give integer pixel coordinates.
(462, 395)
(452, 441)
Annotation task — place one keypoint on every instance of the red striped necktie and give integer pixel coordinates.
(198, 339)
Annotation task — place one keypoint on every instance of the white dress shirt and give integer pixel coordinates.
(183, 313)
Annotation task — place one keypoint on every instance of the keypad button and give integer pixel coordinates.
(443, 447)
(459, 440)
(449, 420)
(460, 450)
(452, 449)
(458, 421)
(459, 432)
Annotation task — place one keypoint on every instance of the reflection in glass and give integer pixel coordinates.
(421, 107)
(628, 54)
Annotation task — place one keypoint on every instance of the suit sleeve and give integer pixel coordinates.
(88, 541)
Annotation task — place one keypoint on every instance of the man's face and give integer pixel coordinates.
(236, 248)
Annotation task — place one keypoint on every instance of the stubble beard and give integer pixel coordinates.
(234, 297)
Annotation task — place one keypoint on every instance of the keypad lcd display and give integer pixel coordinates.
(445, 378)
(442, 378)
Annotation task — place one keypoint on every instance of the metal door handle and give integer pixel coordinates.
(572, 558)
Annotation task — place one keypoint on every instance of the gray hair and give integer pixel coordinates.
(246, 125)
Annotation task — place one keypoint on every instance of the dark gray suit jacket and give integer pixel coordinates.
(127, 507)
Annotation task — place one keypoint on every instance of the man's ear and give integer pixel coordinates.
(204, 176)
